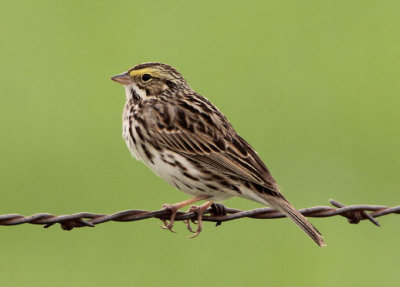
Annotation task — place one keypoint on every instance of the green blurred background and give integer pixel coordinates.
(312, 85)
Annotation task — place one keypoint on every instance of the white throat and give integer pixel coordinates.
(132, 90)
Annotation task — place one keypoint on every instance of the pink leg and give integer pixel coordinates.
(175, 207)
(200, 211)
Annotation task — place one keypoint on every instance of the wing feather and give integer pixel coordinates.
(209, 140)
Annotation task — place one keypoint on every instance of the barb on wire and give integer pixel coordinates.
(217, 213)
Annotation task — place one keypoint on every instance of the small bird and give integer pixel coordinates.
(188, 142)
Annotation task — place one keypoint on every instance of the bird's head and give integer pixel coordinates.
(150, 80)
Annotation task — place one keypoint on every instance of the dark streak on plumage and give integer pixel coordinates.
(218, 141)
(188, 107)
(201, 127)
(224, 183)
(188, 186)
(208, 119)
(174, 183)
(204, 147)
(247, 166)
(187, 146)
(181, 166)
(212, 186)
(182, 119)
(170, 85)
(235, 188)
(263, 189)
(170, 128)
(170, 163)
(135, 96)
(130, 131)
(216, 177)
(193, 145)
(160, 126)
(213, 147)
(148, 154)
(139, 132)
(157, 147)
(190, 176)
(241, 149)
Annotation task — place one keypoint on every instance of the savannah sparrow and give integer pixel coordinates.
(187, 141)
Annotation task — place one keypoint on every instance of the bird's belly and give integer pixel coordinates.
(178, 171)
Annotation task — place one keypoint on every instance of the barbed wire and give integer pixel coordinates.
(216, 213)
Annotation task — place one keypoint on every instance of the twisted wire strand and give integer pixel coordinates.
(217, 213)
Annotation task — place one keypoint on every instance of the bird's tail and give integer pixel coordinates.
(286, 208)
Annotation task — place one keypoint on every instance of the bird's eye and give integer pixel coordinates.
(146, 77)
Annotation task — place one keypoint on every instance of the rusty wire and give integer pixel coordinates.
(217, 213)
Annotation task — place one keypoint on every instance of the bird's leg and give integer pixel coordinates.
(173, 208)
(188, 226)
(200, 211)
(217, 209)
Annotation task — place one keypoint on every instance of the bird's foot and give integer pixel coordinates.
(173, 209)
(199, 210)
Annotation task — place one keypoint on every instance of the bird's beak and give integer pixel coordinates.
(122, 79)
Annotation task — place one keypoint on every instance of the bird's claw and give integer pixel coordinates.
(169, 226)
(188, 226)
(195, 235)
(198, 210)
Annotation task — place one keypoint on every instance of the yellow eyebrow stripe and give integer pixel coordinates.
(134, 73)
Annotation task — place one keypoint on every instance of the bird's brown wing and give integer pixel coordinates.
(207, 138)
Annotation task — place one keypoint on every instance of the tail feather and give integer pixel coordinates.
(286, 208)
